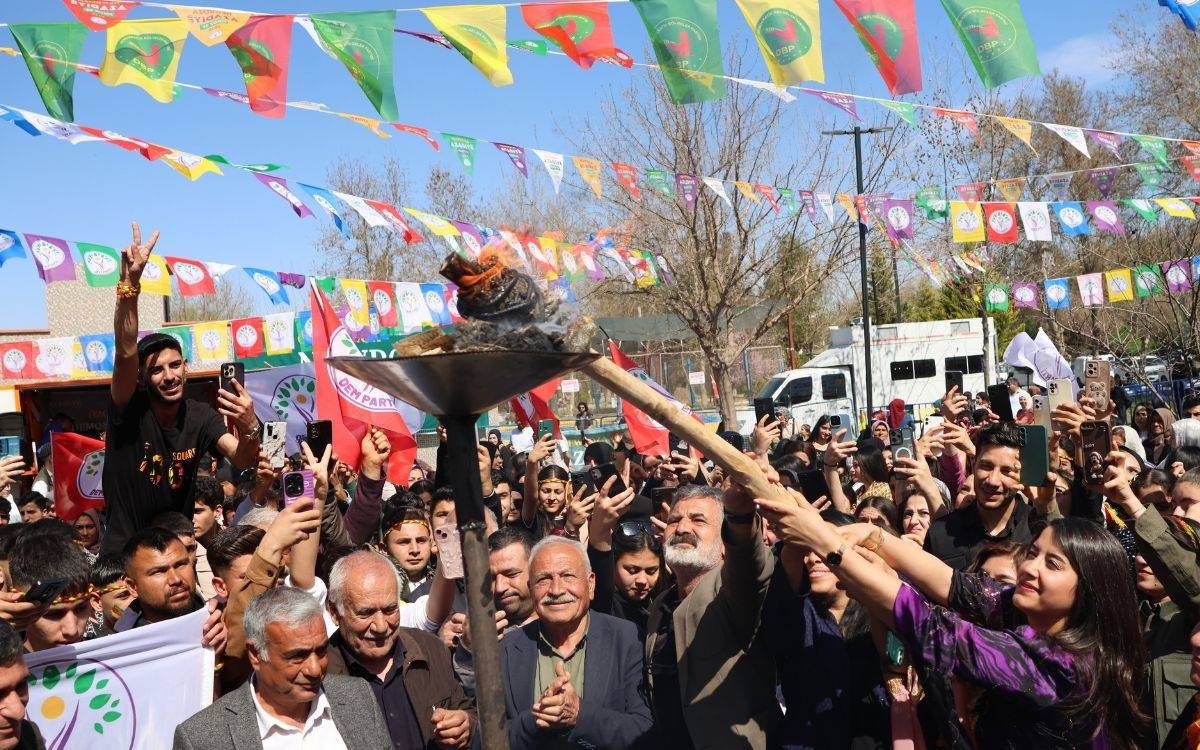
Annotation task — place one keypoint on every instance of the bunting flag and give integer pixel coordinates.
(1024, 294)
(971, 192)
(966, 119)
(1035, 218)
(1154, 146)
(435, 300)
(904, 110)
(718, 187)
(211, 26)
(420, 132)
(787, 197)
(51, 51)
(189, 165)
(995, 37)
(268, 281)
(1057, 184)
(768, 192)
(686, 185)
(1070, 216)
(191, 276)
(845, 201)
(789, 37)
(279, 332)
(362, 41)
(98, 350)
(280, 187)
(897, 219)
(1150, 173)
(1001, 220)
(1176, 207)
(995, 297)
(463, 147)
(54, 357)
(967, 221)
(516, 154)
(627, 176)
(210, 342)
(1191, 163)
(589, 170)
(262, 48)
(1071, 135)
(326, 200)
(382, 297)
(581, 30)
(1022, 129)
(52, 257)
(1103, 178)
(554, 165)
(845, 103)
(10, 246)
(1091, 289)
(247, 337)
(156, 279)
(364, 209)
(1119, 284)
(888, 31)
(395, 221)
(1144, 208)
(183, 336)
(1176, 273)
(1104, 213)
(17, 361)
(478, 33)
(358, 300)
(932, 202)
(1110, 142)
(472, 238)
(658, 180)
(304, 330)
(1058, 293)
(146, 54)
(1147, 281)
(1011, 188)
(687, 45)
(101, 264)
(98, 15)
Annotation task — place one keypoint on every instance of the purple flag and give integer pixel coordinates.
(1176, 272)
(471, 237)
(294, 280)
(1110, 141)
(517, 154)
(1103, 178)
(685, 185)
(1106, 217)
(279, 186)
(232, 95)
(1024, 294)
(810, 205)
(52, 256)
(897, 218)
(841, 101)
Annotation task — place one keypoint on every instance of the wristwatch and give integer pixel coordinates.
(834, 559)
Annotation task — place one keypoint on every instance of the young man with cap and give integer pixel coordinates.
(156, 437)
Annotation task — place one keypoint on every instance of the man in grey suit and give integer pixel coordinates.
(573, 678)
(289, 702)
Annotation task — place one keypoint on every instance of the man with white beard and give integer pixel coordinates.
(712, 681)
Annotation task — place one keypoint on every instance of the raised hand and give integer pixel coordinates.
(839, 450)
(136, 255)
(319, 466)
(542, 449)
(238, 407)
(954, 404)
(580, 508)
(293, 524)
(376, 449)
(765, 434)
(10, 468)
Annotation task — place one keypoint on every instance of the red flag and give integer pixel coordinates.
(768, 192)
(450, 293)
(627, 176)
(389, 212)
(261, 48)
(582, 30)
(649, 437)
(966, 119)
(78, 467)
(149, 150)
(191, 275)
(98, 15)
(247, 337)
(888, 29)
(1192, 164)
(533, 406)
(1001, 220)
(422, 132)
(383, 297)
(971, 192)
(17, 360)
(353, 405)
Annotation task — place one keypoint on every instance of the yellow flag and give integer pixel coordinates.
(209, 25)
(1011, 188)
(477, 32)
(789, 37)
(189, 165)
(355, 292)
(155, 279)
(1120, 285)
(78, 363)
(747, 191)
(436, 224)
(1176, 207)
(146, 54)
(589, 170)
(846, 202)
(550, 250)
(1022, 129)
(967, 221)
(211, 343)
(375, 126)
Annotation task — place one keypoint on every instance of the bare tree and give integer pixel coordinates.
(230, 301)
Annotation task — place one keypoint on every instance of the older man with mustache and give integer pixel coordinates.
(572, 677)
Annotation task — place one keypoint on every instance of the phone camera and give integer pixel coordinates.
(293, 485)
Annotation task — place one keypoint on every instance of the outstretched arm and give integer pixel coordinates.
(125, 321)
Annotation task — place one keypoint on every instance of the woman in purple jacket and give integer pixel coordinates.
(1058, 657)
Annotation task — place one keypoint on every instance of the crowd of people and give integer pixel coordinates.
(922, 598)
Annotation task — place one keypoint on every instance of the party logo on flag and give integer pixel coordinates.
(786, 34)
(1025, 294)
(686, 42)
(99, 264)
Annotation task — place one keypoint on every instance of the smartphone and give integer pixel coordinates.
(1035, 454)
(1001, 406)
(954, 379)
(660, 495)
(274, 443)
(582, 479)
(545, 427)
(1041, 412)
(231, 371)
(318, 435)
(297, 484)
(10, 445)
(677, 444)
(449, 550)
(1097, 384)
(901, 442)
(812, 484)
(44, 592)
(764, 407)
(600, 475)
(1097, 444)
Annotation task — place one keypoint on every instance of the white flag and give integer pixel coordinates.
(54, 356)
(554, 166)
(414, 312)
(367, 212)
(128, 690)
(1071, 135)
(1035, 217)
(825, 201)
(718, 187)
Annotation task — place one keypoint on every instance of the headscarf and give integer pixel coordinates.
(1187, 433)
(896, 413)
(94, 514)
(1158, 447)
(1132, 441)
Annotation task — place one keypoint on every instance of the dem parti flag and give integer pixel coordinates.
(78, 467)
(789, 36)
(995, 37)
(888, 30)
(687, 46)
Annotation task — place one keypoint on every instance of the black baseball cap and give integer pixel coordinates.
(156, 342)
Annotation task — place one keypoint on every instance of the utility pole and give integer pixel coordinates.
(862, 255)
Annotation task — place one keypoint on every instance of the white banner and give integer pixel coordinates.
(128, 690)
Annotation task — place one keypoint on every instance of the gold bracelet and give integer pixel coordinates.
(127, 290)
(874, 541)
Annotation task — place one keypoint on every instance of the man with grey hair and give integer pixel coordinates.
(555, 695)
(408, 670)
(711, 679)
(289, 703)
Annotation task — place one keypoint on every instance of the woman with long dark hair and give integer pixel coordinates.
(1059, 656)
(818, 440)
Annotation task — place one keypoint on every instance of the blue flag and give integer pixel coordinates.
(268, 281)
(10, 246)
(1071, 217)
(1186, 11)
(1058, 293)
(304, 330)
(98, 351)
(330, 203)
(435, 300)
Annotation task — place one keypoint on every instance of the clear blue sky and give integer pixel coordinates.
(91, 191)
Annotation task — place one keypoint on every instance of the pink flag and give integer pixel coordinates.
(1104, 213)
(1024, 294)
(1109, 141)
(1091, 289)
(1176, 272)
(685, 185)
(841, 101)
(279, 186)
(897, 218)
(888, 29)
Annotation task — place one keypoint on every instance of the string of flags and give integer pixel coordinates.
(1093, 289)
(1186, 10)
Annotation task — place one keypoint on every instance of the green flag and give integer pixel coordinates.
(933, 203)
(327, 284)
(51, 51)
(1147, 280)
(101, 264)
(464, 147)
(996, 38)
(1143, 207)
(363, 43)
(687, 46)
(659, 181)
(904, 110)
(1150, 173)
(996, 297)
(182, 334)
(1154, 146)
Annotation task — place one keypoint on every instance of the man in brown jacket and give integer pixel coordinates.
(712, 682)
(409, 670)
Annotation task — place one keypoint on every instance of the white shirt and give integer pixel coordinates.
(319, 732)
(319, 592)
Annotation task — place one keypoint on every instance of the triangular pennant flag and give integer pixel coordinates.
(658, 180)
(262, 48)
(995, 37)
(1110, 142)
(971, 192)
(904, 110)
(554, 164)
(685, 185)
(1091, 289)
(463, 147)
(966, 119)
(146, 54)
(1176, 207)
(1071, 217)
(581, 30)
(101, 264)
(627, 176)
(1071, 135)
(789, 37)
(395, 221)
(1154, 146)
(1150, 173)
(1022, 129)
(99, 15)
(1001, 220)
(718, 187)
(364, 209)
(10, 246)
(1103, 178)
(843, 102)
(1035, 218)
(210, 25)
(362, 41)
(478, 33)
(50, 51)
(1119, 284)
(1057, 184)
(192, 277)
(768, 192)
(748, 192)
(439, 226)
(326, 200)
(825, 201)
(421, 132)
(589, 170)
(1191, 163)
(280, 187)
(967, 221)
(517, 155)
(1143, 207)
(190, 166)
(932, 202)
(1011, 188)
(888, 30)
(687, 45)
(787, 197)
(1104, 213)
(268, 281)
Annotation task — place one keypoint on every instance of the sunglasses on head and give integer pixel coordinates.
(632, 529)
